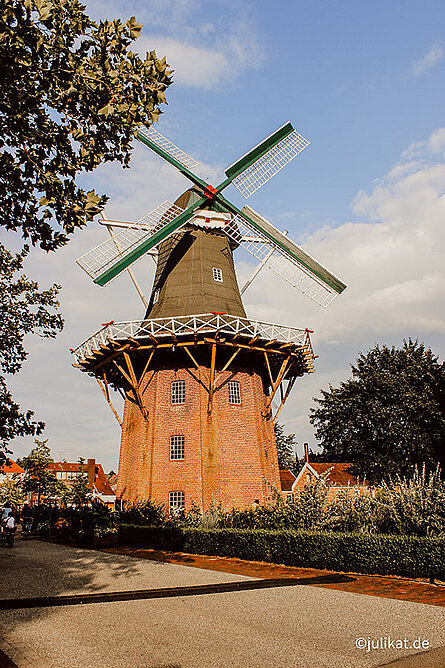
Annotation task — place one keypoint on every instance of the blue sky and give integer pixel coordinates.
(365, 83)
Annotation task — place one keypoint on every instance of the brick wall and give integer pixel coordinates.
(228, 453)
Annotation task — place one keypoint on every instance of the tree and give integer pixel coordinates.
(286, 444)
(39, 478)
(389, 417)
(24, 309)
(72, 94)
(81, 494)
(11, 491)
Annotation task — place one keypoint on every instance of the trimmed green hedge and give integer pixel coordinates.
(381, 554)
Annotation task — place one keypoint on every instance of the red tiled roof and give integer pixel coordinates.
(11, 467)
(338, 473)
(68, 467)
(287, 479)
(101, 483)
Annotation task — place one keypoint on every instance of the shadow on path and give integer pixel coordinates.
(166, 592)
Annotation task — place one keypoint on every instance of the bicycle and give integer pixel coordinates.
(9, 536)
(26, 528)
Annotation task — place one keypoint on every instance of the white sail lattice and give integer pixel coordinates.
(270, 163)
(167, 146)
(282, 263)
(106, 254)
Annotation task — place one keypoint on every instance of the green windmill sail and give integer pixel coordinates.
(244, 226)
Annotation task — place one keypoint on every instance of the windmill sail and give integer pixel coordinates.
(100, 259)
(261, 163)
(288, 260)
(165, 145)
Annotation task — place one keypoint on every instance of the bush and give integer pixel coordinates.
(144, 512)
(408, 556)
(414, 506)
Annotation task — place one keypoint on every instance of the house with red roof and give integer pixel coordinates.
(10, 468)
(68, 472)
(336, 475)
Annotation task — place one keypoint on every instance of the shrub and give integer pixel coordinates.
(407, 556)
(144, 512)
(414, 506)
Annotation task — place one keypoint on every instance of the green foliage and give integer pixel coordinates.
(39, 478)
(81, 494)
(286, 444)
(24, 309)
(96, 520)
(389, 417)
(144, 512)
(414, 506)
(349, 552)
(11, 491)
(72, 93)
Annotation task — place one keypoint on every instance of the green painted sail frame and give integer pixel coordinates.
(232, 172)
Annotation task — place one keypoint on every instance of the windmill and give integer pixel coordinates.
(199, 377)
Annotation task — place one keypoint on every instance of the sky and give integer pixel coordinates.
(364, 82)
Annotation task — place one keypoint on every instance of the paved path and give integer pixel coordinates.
(217, 626)
(404, 589)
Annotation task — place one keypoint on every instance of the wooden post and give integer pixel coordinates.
(266, 357)
(107, 397)
(191, 357)
(280, 377)
(212, 378)
(286, 394)
(227, 364)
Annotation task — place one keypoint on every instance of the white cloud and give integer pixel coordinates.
(430, 60)
(394, 264)
(206, 49)
(193, 66)
(209, 62)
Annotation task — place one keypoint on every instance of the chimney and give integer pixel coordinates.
(91, 469)
(306, 453)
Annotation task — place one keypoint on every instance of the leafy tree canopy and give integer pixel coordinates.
(11, 492)
(286, 444)
(81, 493)
(71, 95)
(39, 478)
(389, 416)
(24, 309)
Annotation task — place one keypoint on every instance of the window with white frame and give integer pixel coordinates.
(234, 392)
(177, 447)
(176, 501)
(178, 392)
(217, 275)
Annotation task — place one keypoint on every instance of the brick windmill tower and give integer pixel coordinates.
(197, 375)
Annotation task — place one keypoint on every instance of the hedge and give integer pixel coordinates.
(382, 554)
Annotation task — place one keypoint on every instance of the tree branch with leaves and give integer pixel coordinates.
(72, 94)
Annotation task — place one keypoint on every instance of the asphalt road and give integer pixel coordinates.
(276, 627)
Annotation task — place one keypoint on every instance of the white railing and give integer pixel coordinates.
(186, 325)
